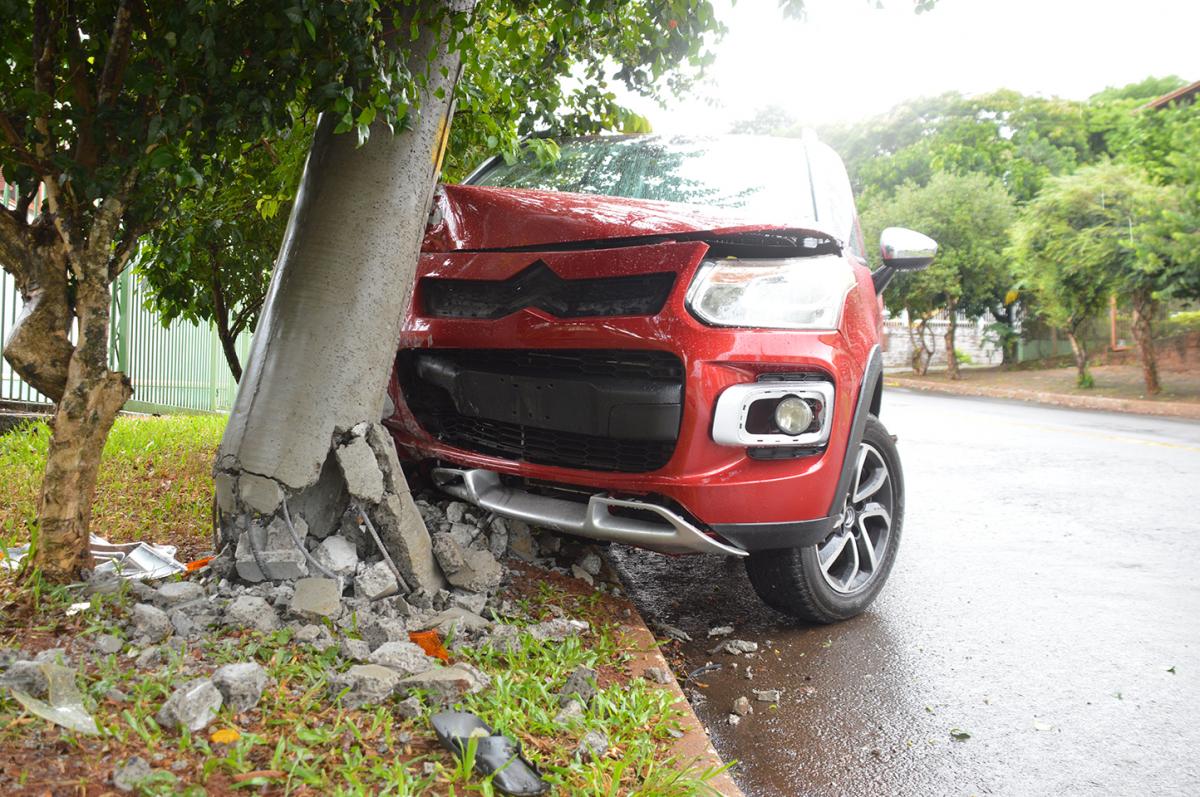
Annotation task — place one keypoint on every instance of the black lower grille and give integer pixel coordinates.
(549, 447)
(538, 286)
(595, 410)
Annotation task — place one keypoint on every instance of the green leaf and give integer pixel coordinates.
(311, 28)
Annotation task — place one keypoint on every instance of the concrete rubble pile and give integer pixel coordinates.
(354, 601)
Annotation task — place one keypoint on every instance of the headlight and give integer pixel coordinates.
(786, 293)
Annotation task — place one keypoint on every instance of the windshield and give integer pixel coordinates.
(752, 173)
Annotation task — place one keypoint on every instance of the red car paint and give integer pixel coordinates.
(716, 484)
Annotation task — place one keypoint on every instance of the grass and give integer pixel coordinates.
(300, 741)
(155, 484)
(155, 481)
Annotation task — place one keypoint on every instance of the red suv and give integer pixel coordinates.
(666, 342)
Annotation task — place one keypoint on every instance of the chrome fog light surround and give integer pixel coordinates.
(733, 407)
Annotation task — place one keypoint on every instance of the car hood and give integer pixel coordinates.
(481, 218)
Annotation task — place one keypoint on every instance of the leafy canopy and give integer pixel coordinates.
(969, 216)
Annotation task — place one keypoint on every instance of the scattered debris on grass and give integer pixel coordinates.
(211, 683)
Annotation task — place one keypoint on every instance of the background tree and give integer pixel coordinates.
(969, 216)
(210, 259)
(117, 108)
(1085, 235)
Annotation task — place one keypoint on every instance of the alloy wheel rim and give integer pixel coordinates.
(850, 557)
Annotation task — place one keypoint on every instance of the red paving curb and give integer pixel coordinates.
(1172, 409)
(694, 747)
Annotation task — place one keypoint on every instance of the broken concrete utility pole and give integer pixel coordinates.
(304, 456)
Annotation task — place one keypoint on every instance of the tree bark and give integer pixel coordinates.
(951, 328)
(92, 398)
(38, 347)
(1079, 349)
(227, 336)
(1144, 308)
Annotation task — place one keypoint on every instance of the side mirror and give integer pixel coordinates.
(902, 250)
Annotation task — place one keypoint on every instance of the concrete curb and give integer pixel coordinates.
(1173, 409)
(694, 748)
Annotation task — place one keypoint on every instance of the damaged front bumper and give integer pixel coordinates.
(668, 533)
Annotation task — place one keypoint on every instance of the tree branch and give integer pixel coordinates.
(117, 58)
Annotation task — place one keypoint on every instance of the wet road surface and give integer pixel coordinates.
(1046, 587)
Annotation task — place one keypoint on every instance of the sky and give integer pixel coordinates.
(850, 61)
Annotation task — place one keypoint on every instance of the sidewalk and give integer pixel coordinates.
(1118, 388)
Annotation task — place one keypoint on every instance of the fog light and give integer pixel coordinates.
(793, 415)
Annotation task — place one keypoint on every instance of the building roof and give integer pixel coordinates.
(1186, 94)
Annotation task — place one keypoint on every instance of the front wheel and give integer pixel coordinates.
(840, 576)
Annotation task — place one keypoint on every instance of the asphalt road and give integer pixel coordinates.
(1046, 601)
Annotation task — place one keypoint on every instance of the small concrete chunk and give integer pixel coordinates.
(472, 569)
(367, 684)
(177, 593)
(405, 658)
(521, 544)
(192, 705)
(742, 706)
(259, 493)
(447, 684)
(27, 677)
(583, 575)
(557, 630)
(316, 598)
(455, 621)
(108, 643)
(338, 555)
(657, 675)
(151, 622)
(381, 630)
(241, 685)
(407, 540)
(570, 714)
(498, 537)
(225, 484)
(130, 775)
(591, 563)
(275, 549)
(593, 746)
(375, 581)
(739, 646)
(361, 470)
(767, 695)
(251, 611)
(472, 602)
(720, 630)
(580, 685)
(354, 650)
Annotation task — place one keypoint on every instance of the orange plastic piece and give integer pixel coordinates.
(431, 643)
(192, 567)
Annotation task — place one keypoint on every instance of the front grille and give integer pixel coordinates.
(461, 420)
(550, 447)
(538, 286)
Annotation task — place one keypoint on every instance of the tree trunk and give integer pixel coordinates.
(1079, 349)
(227, 336)
(927, 351)
(916, 347)
(38, 347)
(92, 398)
(1144, 308)
(951, 328)
(314, 386)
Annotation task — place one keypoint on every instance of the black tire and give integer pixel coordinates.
(791, 579)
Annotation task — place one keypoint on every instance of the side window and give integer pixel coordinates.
(834, 198)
